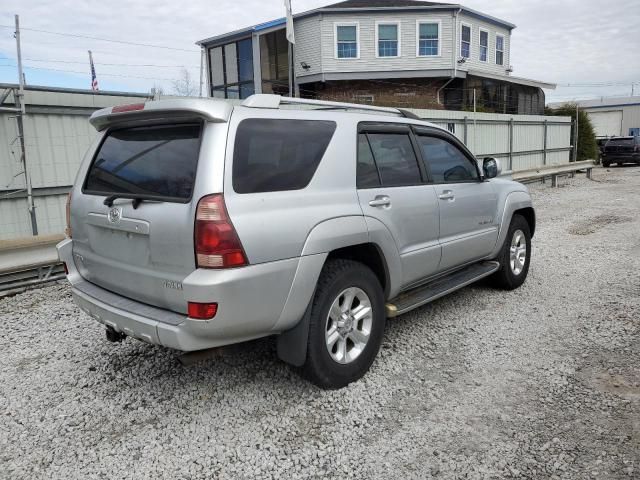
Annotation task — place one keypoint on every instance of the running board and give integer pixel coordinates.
(439, 288)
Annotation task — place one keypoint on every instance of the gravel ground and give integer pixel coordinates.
(542, 382)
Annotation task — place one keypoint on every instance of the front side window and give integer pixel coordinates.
(499, 50)
(484, 45)
(428, 39)
(395, 159)
(448, 164)
(149, 162)
(388, 40)
(273, 155)
(465, 41)
(347, 41)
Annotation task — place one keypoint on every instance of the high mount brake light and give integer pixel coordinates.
(127, 108)
(216, 242)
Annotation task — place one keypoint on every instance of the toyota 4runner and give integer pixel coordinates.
(194, 224)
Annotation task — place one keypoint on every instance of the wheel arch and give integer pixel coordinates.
(292, 343)
(529, 215)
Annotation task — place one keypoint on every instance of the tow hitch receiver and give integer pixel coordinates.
(114, 336)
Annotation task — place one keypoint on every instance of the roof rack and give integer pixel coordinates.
(265, 100)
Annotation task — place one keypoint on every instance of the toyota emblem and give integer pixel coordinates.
(115, 214)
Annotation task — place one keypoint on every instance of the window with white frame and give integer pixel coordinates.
(388, 35)
(465, 41)
(346, 40)
(484, 45)
(499, 50)
(428, 39)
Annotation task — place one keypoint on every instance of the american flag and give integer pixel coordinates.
(94, 80)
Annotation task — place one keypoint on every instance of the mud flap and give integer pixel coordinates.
(292, 344)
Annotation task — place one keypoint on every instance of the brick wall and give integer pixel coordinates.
(402, 93)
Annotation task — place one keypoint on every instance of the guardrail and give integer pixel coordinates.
(553, 171)
(27, 262)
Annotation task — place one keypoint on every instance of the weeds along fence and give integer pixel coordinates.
(57, 134)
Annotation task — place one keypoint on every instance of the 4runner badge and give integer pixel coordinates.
(115, 214)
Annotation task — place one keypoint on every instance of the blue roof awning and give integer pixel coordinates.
(272, 23)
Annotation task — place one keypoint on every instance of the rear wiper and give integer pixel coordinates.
(135, 203)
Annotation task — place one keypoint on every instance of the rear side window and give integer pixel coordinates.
(395, 158)
(272, 155)
(447, 162)
(156, 161)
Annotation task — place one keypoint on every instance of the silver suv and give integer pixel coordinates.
(194, 224)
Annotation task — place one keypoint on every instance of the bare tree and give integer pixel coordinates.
(185, 86)
(157, 91)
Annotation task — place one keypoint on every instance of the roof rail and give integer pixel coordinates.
(265, 100)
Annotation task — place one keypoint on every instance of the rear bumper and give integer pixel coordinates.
(250, 299)
(621, 157)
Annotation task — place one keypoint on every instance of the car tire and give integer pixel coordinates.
(343, 338)
(514, 256)
(606, 164)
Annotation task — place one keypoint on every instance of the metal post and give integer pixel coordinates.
(511, 143)
(290, 51)
(466, 127)
(23, 161)
(544, 144)
(575, 136)
(201, 70)
(20, 106)
(475, 128)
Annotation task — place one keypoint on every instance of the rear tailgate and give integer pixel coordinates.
(133, 206)
(620, 145)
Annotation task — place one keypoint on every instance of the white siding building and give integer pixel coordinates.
(612, 117)
(406, 53)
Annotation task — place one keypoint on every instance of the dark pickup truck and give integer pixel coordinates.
(621, 150)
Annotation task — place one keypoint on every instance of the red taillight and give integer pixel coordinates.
(202, 311)
(67, 230)
(216, 241)
(128, 108)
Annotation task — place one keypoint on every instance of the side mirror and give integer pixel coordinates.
(491, 167)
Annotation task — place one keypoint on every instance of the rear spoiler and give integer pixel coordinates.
(208, 109)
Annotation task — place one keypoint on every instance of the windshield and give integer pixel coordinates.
(155, 162)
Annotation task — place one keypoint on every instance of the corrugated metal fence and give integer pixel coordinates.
(521, 142)
(57, 134)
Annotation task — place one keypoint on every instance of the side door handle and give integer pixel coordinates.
(447, 195)
(380, 201)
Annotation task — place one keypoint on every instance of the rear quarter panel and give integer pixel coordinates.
(275, 225)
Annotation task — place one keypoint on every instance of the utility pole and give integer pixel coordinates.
(20, 73)
(20, 106)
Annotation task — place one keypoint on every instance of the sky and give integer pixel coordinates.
(568, 42)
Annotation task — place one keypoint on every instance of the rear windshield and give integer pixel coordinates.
(621, 141)
(155, 162)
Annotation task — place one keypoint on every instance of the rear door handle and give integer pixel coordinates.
(380, 201)
(446, 195)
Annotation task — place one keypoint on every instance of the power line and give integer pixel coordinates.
(124, 42)
(85, 73)
(42, 60)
